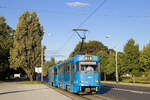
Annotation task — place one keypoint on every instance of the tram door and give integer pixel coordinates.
(55, 74)
(71, 74)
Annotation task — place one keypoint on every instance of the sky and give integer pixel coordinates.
(120, 19)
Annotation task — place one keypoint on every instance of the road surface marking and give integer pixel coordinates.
(140, 92)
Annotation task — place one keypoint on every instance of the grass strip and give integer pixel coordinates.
(31, 82)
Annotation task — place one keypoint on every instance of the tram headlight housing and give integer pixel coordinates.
(88, 57)
(81, 81)
(96, 81)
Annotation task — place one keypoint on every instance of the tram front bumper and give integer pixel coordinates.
(88, 89)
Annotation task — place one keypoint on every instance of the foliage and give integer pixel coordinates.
(107, 62)
(95, 46)
(76, 50)
(60, 61)
(111, 63)
(47, 65)
(120, 62)
(131, 57)
(103, 61)
(145, 58)
(91, 47)
(52, 62)
(26, 51)
(6, 40)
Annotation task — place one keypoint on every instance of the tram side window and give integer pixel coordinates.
(68, 68)
(77, 67)
(72, 67)
(59, 69)
(55, 71)
(63, 69)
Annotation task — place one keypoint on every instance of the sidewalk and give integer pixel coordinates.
(16, 91)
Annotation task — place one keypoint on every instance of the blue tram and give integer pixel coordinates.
(53, 76)
(78, 74)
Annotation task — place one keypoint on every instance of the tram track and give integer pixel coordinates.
(74, 96)
(96, 97)
(92, 97)
(104, 98)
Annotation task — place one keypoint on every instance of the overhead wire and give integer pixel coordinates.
(92, 13)
(80, 24)
(85, 20)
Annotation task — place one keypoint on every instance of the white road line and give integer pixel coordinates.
(139, 92)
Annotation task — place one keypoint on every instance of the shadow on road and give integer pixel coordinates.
(16, 79)
(104, 89)
(2, 93)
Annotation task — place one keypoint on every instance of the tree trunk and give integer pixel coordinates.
(31, 77)
(104, 76)
(133, 78)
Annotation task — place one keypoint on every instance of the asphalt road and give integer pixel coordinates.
(123, 92)
(17, 91)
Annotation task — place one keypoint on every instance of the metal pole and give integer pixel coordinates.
(117, 78)
(116, 68)
(41, 63)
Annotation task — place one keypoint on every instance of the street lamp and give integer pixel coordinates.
(117, 79)
(116, 55)
(42, 55)
(41, 63)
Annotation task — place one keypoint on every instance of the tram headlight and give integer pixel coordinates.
(82, 81)
(96, 81)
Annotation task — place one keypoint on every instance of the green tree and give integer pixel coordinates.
(26, 51)
(94, 46)
(107, 63)
(111, 64)
(76, 50)
(60, 61)
(6, 41)
(131, 58)
(52, 62)
(45, 68)
(121, 68)
(91, 47)
(103, 62)
(47, 65)
(145, 58)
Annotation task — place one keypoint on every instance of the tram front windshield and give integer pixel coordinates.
(88, 67)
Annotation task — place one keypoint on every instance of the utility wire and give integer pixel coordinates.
(89, 16)
(92, 13)
(85, 20)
